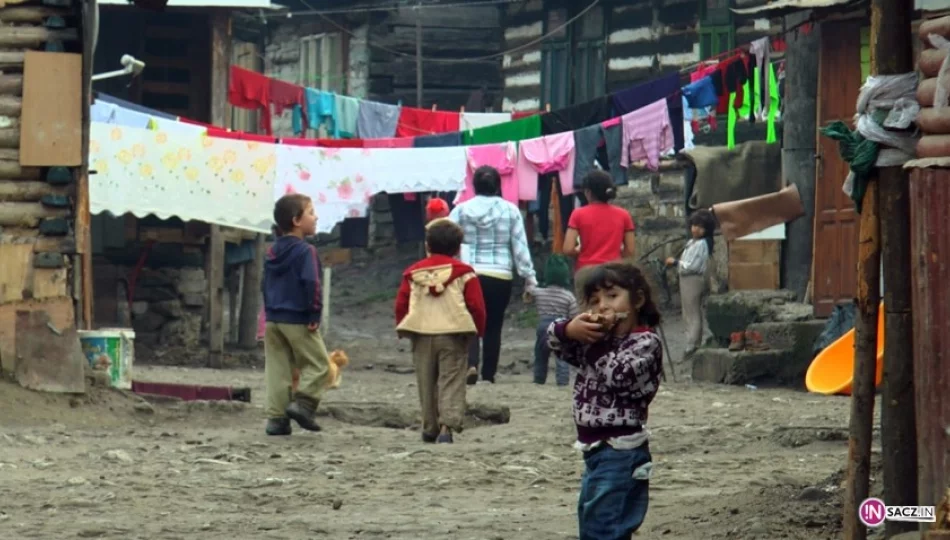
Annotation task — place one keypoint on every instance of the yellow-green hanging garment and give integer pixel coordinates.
(745, 110)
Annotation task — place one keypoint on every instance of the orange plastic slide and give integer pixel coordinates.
(832, 371)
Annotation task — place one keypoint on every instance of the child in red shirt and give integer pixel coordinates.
(605, 231)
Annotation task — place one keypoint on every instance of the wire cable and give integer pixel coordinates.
(395, 7)
(463, 60)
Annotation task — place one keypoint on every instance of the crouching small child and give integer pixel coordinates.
(619, 362)
(440, 308)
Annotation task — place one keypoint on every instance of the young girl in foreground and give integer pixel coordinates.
(619, 362)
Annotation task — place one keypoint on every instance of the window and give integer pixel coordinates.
(590, 73)
(715, 12)
(716, 32)
(714, 40)
(573, 60)
(555, 62)
(321, 63)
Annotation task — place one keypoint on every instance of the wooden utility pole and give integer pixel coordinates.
(865, 364)
(892, 54)
(220, 61)
(418, 59)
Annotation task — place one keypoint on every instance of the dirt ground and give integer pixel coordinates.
(730, 462)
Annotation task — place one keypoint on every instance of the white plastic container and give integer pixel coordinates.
(111, 350)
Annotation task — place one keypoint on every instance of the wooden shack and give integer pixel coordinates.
(178, 284)
(44, 218)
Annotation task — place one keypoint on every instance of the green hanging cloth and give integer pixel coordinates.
(858, 152)
(745, 111)
(516, 130)
(770, 135)
(731, 123)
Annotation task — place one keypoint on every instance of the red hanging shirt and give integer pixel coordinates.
(250, 90)
(340, 143)
(415, 122)
(518, 115)
(286, 96)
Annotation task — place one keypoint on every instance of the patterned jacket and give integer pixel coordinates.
(617, 378)
(495, 240)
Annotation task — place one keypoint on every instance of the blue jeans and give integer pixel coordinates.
(542, 354)
(612, 503)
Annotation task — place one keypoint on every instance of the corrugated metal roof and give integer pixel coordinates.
(788, 6)
(234, 4)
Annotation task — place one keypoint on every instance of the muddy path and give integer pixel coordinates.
(730, 462)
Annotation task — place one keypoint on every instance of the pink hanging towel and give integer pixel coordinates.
(552, 153)
(646, 134)
(405, 142)
(500, 156)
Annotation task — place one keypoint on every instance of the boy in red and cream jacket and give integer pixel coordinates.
(441, 309)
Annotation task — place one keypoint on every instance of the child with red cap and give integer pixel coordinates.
(436, 208)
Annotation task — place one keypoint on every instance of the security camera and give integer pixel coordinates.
(132, 64)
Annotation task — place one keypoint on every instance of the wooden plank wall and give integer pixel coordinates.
(644, 40)
(456, 32)
(522, 69)
(37, 245)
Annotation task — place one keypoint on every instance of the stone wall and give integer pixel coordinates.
(170, 305)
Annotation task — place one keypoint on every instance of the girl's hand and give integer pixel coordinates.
(313, 327)
(670, 261)
(585, 329)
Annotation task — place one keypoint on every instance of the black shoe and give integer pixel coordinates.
(445, 439)
(429, 439)
(303, 410)
(278, 427)
(472, 377)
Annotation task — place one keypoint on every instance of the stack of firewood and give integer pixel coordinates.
(934, 118)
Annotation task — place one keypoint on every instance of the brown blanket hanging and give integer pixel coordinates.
(750, 169)
(747, 216)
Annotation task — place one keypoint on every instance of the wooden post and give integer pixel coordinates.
(418, 59)
(557, 245)
(326, 287)
(220, 62)
(251, 296)
(83, 232)
(892, 54)
(865, 364)
(215, 254)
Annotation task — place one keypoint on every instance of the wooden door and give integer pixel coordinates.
(834, 272)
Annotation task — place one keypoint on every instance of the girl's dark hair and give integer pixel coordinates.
(486, 181)
(601, 186)
(705, 219)
(626, 276)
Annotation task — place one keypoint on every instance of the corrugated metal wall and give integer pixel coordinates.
(930, 276)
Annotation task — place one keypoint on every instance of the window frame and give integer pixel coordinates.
(329, 78)
(555, 89)
(719, 16)
(713, 32)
